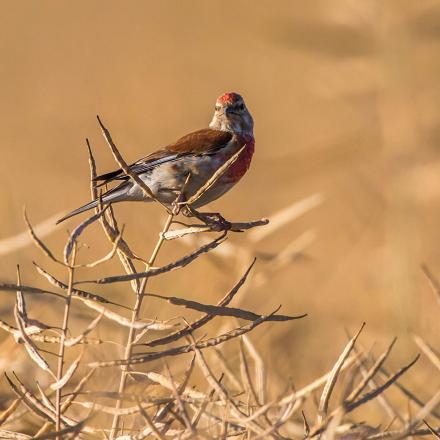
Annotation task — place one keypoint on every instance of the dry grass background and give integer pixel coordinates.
(345, 99)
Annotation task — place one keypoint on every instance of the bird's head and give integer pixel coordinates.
(231, 114)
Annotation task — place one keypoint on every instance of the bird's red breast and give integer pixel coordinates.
(208, 141)
(239, 168)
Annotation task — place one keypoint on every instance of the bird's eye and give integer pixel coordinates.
(217, 108)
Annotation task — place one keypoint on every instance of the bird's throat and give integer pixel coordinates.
(233, 127)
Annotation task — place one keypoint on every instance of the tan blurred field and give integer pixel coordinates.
(345, 96)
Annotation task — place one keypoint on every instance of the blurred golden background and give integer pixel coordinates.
(345, 96)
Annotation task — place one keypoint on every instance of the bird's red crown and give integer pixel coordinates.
(230, 97)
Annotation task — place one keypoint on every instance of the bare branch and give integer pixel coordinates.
(205, 319)
(147, 357)
(31, 348)
(427, 350)
(81, 294)
(182, 262)
(121, 162)
(371, 373)
(330, 384)
(433, 282)
(9, 410)
(38, 242)
(222, 311)
(197, 229)
(67, 375)
(372, 394)
(77, 232)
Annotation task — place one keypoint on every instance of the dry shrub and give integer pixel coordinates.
(149, 404)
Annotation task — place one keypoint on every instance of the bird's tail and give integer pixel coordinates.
(114, 195)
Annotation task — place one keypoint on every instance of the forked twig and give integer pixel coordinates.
(222, 311)
(210, 342)
(331, 381)
(182, 262)
(370, 374)
(206, 318)
(380, 389)
(120, 160)
(197, 229)
(62, 342)
(38, 242)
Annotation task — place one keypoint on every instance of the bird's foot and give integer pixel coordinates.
(216, 221)
(212, 219)
(176, 206)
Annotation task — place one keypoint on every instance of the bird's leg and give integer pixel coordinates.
(213, 219)
(177, 204)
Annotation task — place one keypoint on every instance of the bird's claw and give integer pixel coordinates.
(212, 219)
(217, 222)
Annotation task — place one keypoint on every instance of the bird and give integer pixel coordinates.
(183, 167)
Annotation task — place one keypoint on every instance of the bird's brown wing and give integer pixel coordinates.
(205, 141)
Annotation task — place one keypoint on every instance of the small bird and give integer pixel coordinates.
(189, 163)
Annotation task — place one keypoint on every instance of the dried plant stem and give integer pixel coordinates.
(197, 229)
(68, 401)
(134, 318)
(330, 384)
(63, 338)
(172, 408)
(9, 410)
(124, 166)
